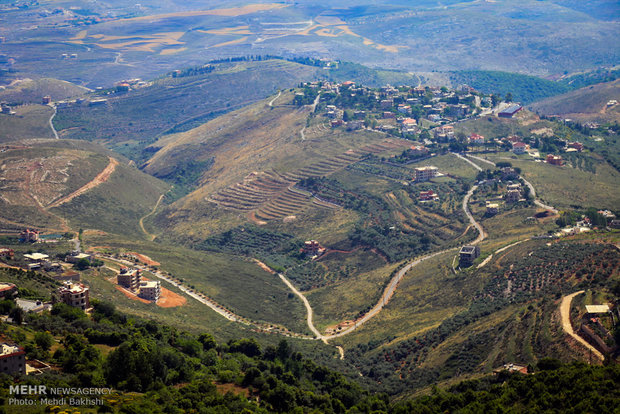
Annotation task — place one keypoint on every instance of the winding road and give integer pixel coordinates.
(568, 327)
(52, 123)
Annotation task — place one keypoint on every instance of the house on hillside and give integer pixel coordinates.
(29, 236)
(519, 147)
(312, 248)
(425, 173)
(476, 139)
(429, 195)
(12, 359)
(150, 290)
(510, 111)
(75, 294)
(467, 255)
(129, 278)
(554, 159)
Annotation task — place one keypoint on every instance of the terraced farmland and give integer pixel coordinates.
(272, 196)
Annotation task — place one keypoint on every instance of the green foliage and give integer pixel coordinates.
(522, 88)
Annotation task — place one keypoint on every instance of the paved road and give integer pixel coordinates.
(568, 327)
(466, 160)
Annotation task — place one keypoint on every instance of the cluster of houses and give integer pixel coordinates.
(394, 108)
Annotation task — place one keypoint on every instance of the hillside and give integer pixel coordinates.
(28, 90)
(130, 121)
(587, 104)
(59, 187)
(29, 121)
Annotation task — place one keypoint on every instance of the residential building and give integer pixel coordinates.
(35, 306)
(429, 195)
(46, 100)
(312, 248)
(7, 253)
(492, 208)
(129, 278)
(8, 290)
(510, 111)
(12, 359)
(36, 257)
(404, 109)
(512, 196)
(576, 145)
(476, 139)
(150, 290)
(554, 159)
(409, 125)
(444, 133)
(425, 173)
(418, 150)
(29, 236)
(509, 173)
(518, 147)
(467, 255)
(76, 257)
(75, 294)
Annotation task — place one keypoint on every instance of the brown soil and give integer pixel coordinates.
(169, 299)
(264, 266)
(145, 259)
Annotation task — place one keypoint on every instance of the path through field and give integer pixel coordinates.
(101, 178)
(149, 235)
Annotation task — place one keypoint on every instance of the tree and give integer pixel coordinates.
(82, 264)
(44, 340)
(508, 97)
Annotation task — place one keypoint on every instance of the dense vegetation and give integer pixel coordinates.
(523, 88)
(175, 371)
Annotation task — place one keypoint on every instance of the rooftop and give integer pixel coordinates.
(36, 256)
(468, 249)
(597, 308)
(9, 349)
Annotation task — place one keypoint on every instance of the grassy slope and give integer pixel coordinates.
(29, 121)
(567, 186)
(116, 205)
(238, 284)
(524, 88)
(253, 139)
(585, 104)
(32, 90)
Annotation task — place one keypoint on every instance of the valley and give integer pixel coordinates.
(302, 207)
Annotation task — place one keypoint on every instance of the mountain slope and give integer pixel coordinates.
(585, 104)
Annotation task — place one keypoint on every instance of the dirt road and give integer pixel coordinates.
(568, 327)
(101, 178)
